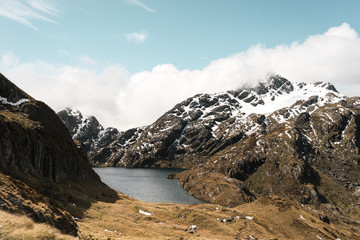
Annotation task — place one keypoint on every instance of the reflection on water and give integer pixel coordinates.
(146, 184)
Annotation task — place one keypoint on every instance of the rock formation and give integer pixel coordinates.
(87, 129)
(37, 155)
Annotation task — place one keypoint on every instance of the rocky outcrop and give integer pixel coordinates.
(214, 187)
(87, 129)
(34, 141)
(36, 152)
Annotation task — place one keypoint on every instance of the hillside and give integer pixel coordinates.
(37, 159)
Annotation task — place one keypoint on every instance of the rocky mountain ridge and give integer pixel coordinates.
(87, 129)
(207, 123)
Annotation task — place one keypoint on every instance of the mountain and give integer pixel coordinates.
(100, 143)
(296, 140)
(87, 129)
(39, 160)
(205, 124)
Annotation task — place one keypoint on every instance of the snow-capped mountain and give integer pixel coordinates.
(297, 140)
(87, 129)
(204, 124)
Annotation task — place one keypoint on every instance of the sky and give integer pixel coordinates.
(129, 61)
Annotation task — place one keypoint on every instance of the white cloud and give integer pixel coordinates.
(47, 6)
(140, 4)
(9, 60)
(92, 92)
(23, 11)
(139, 37)
(124, 101)
(86, 60)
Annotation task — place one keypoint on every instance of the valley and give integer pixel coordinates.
(292, 173)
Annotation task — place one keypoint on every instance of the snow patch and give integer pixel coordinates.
(286, 132)
(16, 104)
(145, 213)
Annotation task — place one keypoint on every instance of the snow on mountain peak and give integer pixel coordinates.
(207, 123)
(86, 129)
(271, 94)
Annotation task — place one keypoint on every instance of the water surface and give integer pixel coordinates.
(146, 184)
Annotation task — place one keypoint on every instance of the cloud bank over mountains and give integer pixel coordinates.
(122, 100)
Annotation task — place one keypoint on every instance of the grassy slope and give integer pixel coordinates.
(272, 218)
(105, 215)
(14, 226)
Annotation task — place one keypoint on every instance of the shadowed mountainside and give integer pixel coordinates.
(38, 160)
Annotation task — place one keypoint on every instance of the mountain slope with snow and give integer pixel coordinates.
(207, 123)
(87, 129)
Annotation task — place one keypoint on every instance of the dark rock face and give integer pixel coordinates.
(36, 147)
(34, 141)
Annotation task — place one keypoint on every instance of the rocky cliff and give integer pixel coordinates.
(87, 129)
(37, 155)
(101, 144)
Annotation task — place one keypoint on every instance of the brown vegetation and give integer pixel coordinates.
(19, 227)
(266, 218)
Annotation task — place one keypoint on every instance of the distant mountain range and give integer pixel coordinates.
(199, 126)
(297, 140)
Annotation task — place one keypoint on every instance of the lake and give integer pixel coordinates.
(147, 184)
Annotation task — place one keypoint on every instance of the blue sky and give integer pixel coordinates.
(129, 61)
(188, 34)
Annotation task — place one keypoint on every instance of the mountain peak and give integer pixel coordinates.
(273, 82)
(326, 85)
(87, 129)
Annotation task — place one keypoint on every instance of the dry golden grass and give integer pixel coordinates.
(121, 218)
(17, 227)
(9, 116)
(266, 218)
